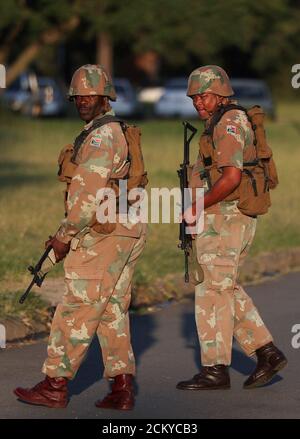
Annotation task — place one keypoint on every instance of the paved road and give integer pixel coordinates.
(166, 349)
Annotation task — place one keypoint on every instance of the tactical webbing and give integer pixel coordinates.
(219, 114)
(207, 161)
(253, 163)
(259, 174)
(85, 133)
(205, 174)
(253, 181)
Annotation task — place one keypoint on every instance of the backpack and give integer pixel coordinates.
(258, 176)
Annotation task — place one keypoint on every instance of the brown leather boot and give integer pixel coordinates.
(270, 360)
(52, 392)
(209, 378)
(121, 396)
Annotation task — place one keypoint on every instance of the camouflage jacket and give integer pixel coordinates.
(233, 140)
(100, 155)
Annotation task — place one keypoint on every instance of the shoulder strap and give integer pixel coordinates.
(85, 133)
(219, 114)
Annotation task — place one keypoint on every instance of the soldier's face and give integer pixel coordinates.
(206, 104)
(90, 106)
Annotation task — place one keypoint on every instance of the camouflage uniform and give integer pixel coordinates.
(222, 307)
(98, 271)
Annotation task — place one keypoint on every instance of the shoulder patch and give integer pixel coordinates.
(231, 129)
(96, 141)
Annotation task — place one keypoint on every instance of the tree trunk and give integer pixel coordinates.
(22, 62)
(51, 36)
(9, 41)
(105, 51)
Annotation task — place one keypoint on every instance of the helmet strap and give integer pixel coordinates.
(106, 106)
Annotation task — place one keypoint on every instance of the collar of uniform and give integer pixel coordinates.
(108, 113)
(207, 122)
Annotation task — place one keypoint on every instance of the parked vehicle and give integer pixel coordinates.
(174, 102)
(34, 95)
(251, 92)
(126, 104)
(150, 95)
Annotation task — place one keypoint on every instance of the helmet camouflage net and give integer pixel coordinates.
(211, 79)
(91, 80)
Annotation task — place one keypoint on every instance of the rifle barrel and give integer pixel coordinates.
(35, 271)
(23, 298)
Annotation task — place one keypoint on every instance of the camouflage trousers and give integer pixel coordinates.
(98, 278)
(222, 307)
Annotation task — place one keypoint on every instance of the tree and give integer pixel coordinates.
(262, 37)
(32, 25)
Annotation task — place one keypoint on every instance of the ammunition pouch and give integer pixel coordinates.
(66, 168)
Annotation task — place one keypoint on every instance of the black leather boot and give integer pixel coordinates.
(209, 378)
(270, 360)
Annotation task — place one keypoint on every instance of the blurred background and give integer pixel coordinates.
(150, 48)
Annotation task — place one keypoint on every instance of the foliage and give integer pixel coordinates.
(33, 309)
(262, 37)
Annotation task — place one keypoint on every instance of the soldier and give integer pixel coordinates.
(222, 307)
(99, 261)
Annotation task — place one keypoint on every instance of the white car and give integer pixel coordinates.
(174, 102)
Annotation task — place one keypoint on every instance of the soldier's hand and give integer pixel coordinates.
(60, 249)
(189, 216)
(49, 242)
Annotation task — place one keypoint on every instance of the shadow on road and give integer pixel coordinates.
(240, 362)
(91, 369)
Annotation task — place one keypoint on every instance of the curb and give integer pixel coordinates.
(17, 331)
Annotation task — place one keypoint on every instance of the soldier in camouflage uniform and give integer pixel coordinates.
(99, 267)
(222, 307)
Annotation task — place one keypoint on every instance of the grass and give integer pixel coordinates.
(31, 197)
(10, 307)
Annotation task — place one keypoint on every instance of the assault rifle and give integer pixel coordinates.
(40, 270)
(185, 239)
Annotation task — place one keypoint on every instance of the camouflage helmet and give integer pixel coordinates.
(91, 80)
(211, 79)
